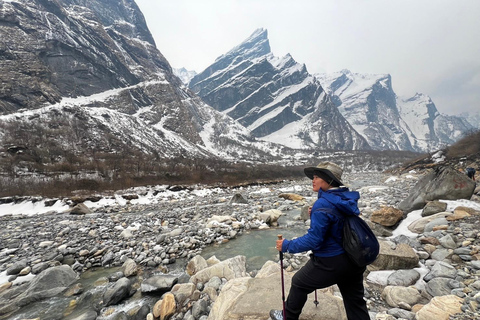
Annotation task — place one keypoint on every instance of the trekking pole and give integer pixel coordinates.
(281, 274)
(316, 300)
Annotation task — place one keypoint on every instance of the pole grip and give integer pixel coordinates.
(279, 237)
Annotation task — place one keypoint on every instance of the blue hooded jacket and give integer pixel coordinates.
(325, 233)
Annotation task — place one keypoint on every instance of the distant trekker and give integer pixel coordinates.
(471, 173)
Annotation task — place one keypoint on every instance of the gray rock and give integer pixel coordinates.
(442, 183)
(158, 283)
(401, 313)
(403, 278)
(16, 267)
(433, 207)
(199, 308)
(439, 287)
(441, 269)
(116, 293)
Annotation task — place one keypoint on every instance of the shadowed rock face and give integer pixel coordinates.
(78, 56)
(54, 49)
(442, 183)
(274, 96)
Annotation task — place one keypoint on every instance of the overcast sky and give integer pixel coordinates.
(428, 46)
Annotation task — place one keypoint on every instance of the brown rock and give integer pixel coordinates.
(291, 196)
(387, 216)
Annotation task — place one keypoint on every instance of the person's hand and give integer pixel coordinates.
(310, 211)
(279, 244)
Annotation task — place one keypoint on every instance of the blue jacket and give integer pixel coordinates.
(325, 233)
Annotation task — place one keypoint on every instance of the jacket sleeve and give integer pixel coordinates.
(315, 236)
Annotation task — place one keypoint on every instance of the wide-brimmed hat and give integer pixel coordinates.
(332, 170)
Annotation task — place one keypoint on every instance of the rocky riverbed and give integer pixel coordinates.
(149, 243)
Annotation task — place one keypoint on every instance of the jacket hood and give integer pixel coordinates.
(343, 199)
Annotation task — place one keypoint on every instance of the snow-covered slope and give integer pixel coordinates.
(370, 104)
(99, 82)
(275, 98)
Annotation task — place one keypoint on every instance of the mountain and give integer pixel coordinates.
(275, 98)
(472, 117)
(387, 121)
(86, 75)
(279, 101)
(184, 75)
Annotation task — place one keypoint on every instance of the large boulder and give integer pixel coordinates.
(229, 269)
(387, 216)
(441, 183)
(116, 293)
(440, 308)
(394, 257)
(253, 298)
(47, 284)
(418, 226)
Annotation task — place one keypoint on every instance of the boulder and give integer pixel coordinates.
(291, 196)
(433, 207)
(229, 269)
(403, 278)
(461, 212)
(238, 198)
(165, 308)
(253, 298)
(418, 226)
(80, 209)
(196, 264)
(129, 268)
(394, 257)
(387, 216)
(271, 216)
(396, 295)
(47, 284)
(160, 283)
(441, 183)
(440, 308)
(116, 293)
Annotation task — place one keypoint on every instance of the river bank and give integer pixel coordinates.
(157, 227)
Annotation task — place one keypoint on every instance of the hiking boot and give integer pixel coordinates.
(276, 314)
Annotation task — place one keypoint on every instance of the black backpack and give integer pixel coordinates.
(359, 241)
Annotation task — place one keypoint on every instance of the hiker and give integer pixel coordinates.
(471, 173)
(328, 264)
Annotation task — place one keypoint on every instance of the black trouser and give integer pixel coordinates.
(320, 273)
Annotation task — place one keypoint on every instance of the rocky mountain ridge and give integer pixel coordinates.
(72, 56)
(279, 101)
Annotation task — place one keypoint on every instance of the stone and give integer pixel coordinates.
(440, 308)
(443, 182)
(433, 207)
(387, 216)
(404, 278)
(291, 196)
(196, 264)
(395, 295)
(80, 209)
(419, 225)
(439, 286)
(116, 293)
(158, 283)
(238, 198)
(129, 268)
(400, 257)
(167, 307)
(16, 267)
(252, 298)
(229, 269)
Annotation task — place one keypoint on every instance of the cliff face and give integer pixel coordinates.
(275, 98)
(64, 57)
